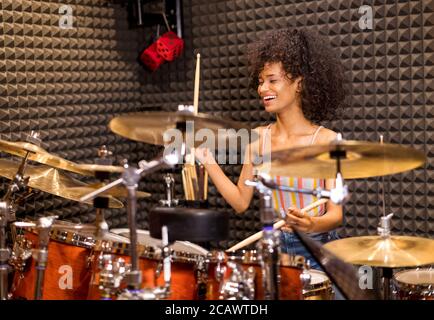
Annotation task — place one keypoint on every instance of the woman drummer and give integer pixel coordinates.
(300, 80)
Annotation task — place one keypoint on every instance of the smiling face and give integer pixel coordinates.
(277, 91)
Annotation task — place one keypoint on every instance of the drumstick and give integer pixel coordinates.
(196, 98)
(279, 224)
(196, 85)
(184, 183)
(205, 185)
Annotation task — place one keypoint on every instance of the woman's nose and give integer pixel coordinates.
(262, 87)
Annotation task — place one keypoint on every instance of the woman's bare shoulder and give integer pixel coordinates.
(326, 135)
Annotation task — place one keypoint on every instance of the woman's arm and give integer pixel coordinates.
(330, 220)
(333, 216)
(237, 195)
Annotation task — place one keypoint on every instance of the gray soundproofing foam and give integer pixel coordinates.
(68, 83)
(390, 70)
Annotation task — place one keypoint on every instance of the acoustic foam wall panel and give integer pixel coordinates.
(390, 69)
(67, 84)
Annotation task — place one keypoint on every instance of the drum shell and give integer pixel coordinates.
(65, 261)
(318, 290)
(183, 279)
(412, 290)
(290, 286)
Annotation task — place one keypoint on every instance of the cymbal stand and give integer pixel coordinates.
(7, 214)
(170, 200)
(384, 231)
(41, 254)
(101, 203)
(269, 246)
(4, 250)
(130, 179)
(19, 181)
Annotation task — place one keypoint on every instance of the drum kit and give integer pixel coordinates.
(54, 259)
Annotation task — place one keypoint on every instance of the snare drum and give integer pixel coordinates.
(319, 288)
(112, 259)
(242, 270)
(67, 274)
(414, 284)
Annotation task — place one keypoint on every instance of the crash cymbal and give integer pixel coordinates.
(52, 181)
(361, 160)
(100, 168)
(40, 155)
(391, 252)
(117, 192)
(150, 127)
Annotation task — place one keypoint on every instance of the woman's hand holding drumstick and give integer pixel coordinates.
(279, 224)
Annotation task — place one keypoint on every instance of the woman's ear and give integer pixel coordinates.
(299, 83)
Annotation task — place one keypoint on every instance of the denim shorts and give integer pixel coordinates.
(290, 244)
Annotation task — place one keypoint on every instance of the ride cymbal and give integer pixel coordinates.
(52, 181)
(152, 127)
(359, 159)
(391, 252)
(38, 154)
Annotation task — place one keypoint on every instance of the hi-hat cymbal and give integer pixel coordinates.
(361, 160)
(40, 155)
(152, 127)
(52, 181)
(391, 252)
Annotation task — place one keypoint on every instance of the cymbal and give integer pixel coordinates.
(59, 226)
(150, 127)
(52, 181)
(392, 252)
(100, 168)
(117, 192)
(40, 155)
(362, 160)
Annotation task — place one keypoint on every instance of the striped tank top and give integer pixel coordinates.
(283, 200)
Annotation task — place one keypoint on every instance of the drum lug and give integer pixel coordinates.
(157, 272)
(201, 274)
(240, 285)
(305, 278)
(21, 253)
(111, 273)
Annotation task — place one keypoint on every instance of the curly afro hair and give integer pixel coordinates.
(303, 53)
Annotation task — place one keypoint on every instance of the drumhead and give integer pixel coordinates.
(81, 235)
(317, 277)
(144, 238)
(416, 277)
